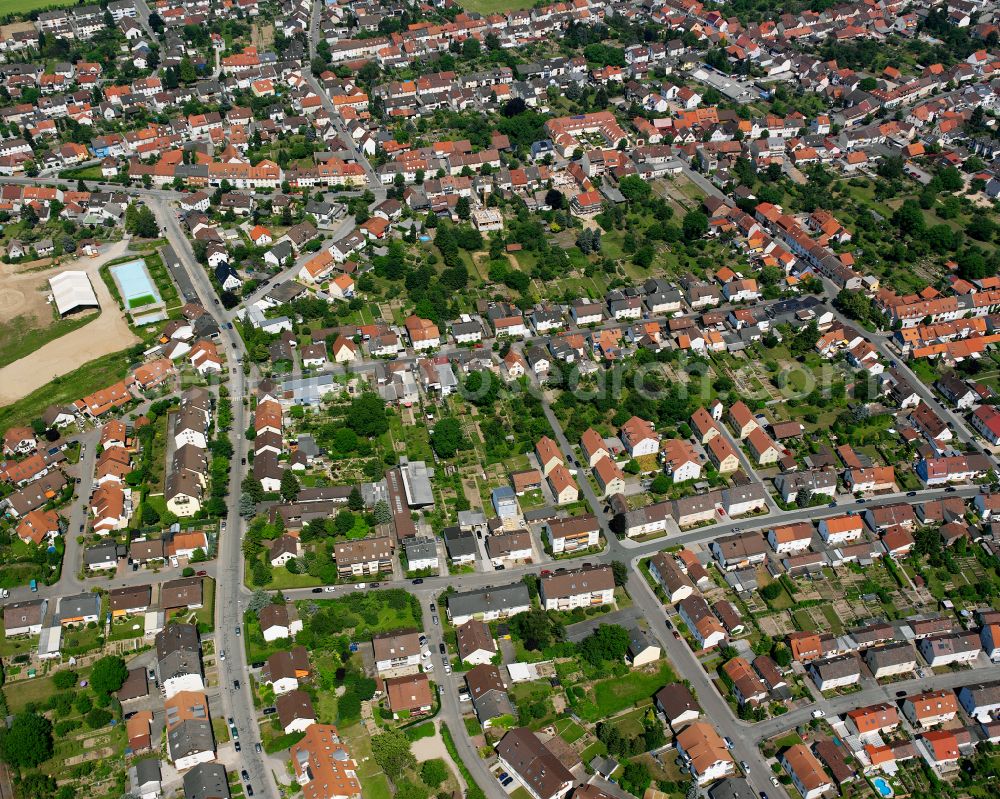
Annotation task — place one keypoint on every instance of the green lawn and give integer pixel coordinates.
(80, 173)
(803, 620)
(569, 730)
(374, 783)
(17, 646)
(282, 579)
(96, 374)
(364, 621)
(616, 694)
(492, 6)
(19, 337)
(81, 640)
(24, 6)
(789, 740)
(27, 692)
(138, 302)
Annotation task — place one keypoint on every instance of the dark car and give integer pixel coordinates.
(202, 573)
(911, 493)
(418, 581)
(236, 685)
(238, 746)
(677, 635)
(900, 693)
(860, 501)
(245, 775)
(375, 585)
(950, 490)
(249, 789)
(832, 505)
(433, 608)
(441, 648)
(317, 590)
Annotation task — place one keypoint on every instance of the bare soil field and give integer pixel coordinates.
(24, 293)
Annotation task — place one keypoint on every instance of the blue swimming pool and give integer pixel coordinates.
(883, 787)
(135, 284)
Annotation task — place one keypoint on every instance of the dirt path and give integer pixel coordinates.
(108, 333)
(429, 748)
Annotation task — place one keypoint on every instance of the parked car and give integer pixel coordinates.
(317, 590)
(418, 581)
(442, 648)
(236, 685)
(204, 573)
(330, 589)
(245, 775)
(435, 619)
(238, 746)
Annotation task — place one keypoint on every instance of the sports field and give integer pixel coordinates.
(493, 6)
(24, 6)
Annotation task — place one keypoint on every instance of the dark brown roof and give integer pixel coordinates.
(273, 616)
(676, 699)
(136, 685)
(578, 581)
(533, 763)
(181, 593)
(473, 636)
(130, 597)
(483, 679)
(294, 705)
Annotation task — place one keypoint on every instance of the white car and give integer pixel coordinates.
(428, 666)
(425, 654)
(222, 655)
(818, 714)
(330, 589)
(447, 668)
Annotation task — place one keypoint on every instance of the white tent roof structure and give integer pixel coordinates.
(72, 290)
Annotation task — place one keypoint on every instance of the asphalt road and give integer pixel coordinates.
(229, 562)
